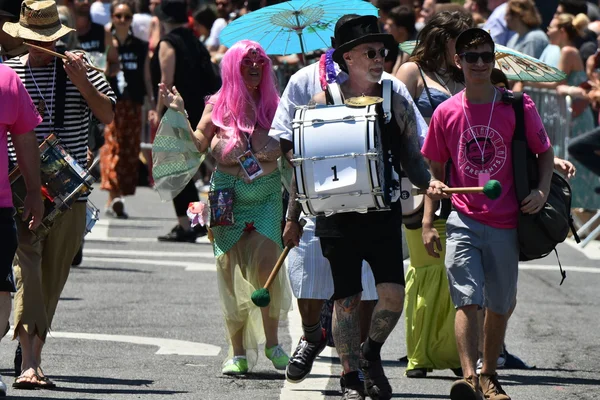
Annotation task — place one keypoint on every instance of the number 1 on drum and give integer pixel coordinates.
(335, 177)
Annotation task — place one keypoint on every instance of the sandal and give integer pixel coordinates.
(27, 385)
(43, 381)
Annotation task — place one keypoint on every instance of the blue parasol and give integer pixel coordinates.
(295, 26)
(515, 65)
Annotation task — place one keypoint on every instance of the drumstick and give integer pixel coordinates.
(261, 297)
(55, 54)
(492, 190)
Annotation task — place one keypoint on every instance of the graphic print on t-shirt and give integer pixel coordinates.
(478, 143)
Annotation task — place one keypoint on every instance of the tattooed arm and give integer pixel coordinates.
(411, 159)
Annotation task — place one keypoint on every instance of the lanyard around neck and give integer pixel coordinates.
(487, 133)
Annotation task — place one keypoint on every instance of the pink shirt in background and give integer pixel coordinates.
(449, 137)
(18, 115)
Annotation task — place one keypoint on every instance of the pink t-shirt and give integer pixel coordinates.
(476, 153)
(18, 115)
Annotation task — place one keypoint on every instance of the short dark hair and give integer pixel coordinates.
(404, 16)
(573, 6)
(473, 38)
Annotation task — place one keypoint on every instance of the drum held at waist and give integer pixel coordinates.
(372, 154)
(349, 118)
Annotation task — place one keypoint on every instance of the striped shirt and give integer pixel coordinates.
(74, 135)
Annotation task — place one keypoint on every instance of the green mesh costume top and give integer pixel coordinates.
(256, 206)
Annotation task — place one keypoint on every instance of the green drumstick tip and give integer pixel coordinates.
(492, 189)
(261, 297)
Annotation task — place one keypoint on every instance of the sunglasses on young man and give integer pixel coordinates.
(472, 57)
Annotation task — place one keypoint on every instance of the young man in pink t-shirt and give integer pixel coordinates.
(19, 116)
(474, 130)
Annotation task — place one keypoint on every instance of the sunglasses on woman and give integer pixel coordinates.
(372, 53)
(126, 17)
(248, 62)
(472, 56)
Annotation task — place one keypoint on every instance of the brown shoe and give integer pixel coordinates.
(466, 389)
(491, 387)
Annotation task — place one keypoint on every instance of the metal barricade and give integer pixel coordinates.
(555, 111)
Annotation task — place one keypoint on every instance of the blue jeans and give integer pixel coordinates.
(8, 233)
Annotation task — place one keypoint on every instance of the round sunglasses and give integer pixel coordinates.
(248, 62)
(472, 56)
(372, 53)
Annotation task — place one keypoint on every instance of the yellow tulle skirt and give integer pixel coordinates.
(238, 278)
(429, 311)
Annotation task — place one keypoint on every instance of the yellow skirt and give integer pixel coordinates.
(430, 340)
(238, 278)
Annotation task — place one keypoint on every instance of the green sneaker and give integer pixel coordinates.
(238, 365)
(278, 357)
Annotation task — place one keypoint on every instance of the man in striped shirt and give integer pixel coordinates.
(64, 94)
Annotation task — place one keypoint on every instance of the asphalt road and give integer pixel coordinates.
(140, 319)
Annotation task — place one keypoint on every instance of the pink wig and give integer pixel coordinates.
(231, 101)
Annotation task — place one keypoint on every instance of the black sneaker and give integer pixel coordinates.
(352, 390)
(302, 360)
(178, 234)
(200, 230)
(377, 386)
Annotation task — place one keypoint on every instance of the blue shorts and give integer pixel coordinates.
(482, 264)
(8, 233)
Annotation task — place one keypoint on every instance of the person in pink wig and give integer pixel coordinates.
(245, 201)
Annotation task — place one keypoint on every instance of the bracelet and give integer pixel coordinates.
(291, 219)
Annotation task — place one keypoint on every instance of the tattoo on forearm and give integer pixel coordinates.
(346, 331)
(382, 324)
(294, 208)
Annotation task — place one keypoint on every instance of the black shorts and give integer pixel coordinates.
(8, 233)
(380, 246)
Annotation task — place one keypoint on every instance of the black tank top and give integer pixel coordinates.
(132, 56)
(194, 77)
(93, 41)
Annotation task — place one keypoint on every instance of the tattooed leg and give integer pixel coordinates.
(387, 311)
(346, 331)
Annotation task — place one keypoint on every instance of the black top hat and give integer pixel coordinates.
(467, 37)
(10, 8)
(356, 31)
(172, 11)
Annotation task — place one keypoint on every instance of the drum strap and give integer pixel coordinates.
(387, 100)
(336, 93)
(59, 105)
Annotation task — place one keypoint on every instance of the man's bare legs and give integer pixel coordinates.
(465, 327)
(346, 331)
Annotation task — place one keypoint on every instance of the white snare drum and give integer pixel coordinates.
(338, 161)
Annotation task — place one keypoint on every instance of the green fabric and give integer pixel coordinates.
(175, 158)
(258, 202)
(429, 315)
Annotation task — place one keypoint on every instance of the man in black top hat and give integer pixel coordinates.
(349, 238)
(9, 46)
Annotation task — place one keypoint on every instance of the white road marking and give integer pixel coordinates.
(315, 384)
(165, 346)
(570, 268)
(188, 266)
(143, 253)
(591, 251)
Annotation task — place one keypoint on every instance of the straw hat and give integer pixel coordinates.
(38, 21)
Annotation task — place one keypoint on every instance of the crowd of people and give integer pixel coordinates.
(161, 61)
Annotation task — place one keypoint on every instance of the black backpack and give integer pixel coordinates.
(540, 233)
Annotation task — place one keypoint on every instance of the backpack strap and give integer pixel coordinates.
(335, 93)
(520, 148)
